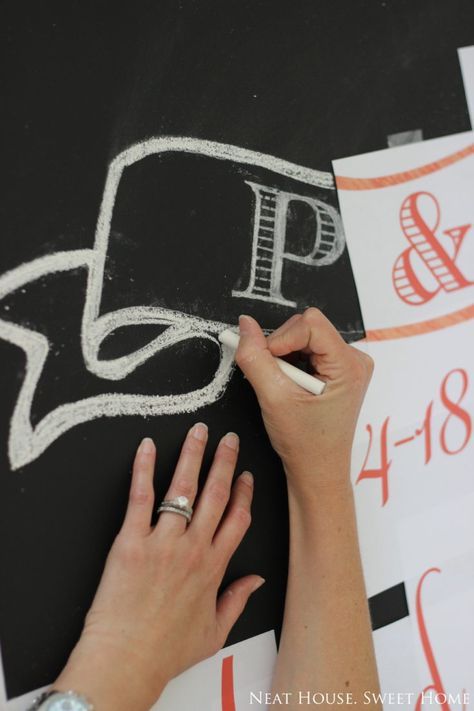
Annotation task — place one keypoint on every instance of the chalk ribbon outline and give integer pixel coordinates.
(26, 442)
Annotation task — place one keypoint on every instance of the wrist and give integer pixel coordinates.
(110, 679)
(316, 497)
(321, 476)
(321, 520)
(320, 498)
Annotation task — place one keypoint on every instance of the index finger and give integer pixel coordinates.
(142, 495)
(257, 362)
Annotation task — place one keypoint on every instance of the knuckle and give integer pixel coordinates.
(363, 365)
(359, 373)
(218, 493)
(293, 319)
(130, 551)
(285, 340)
(245, 356)
(239, 593)
(243, 516)
(369, 363)
(141, 496)
(239, 355)
(185, 487)
(312, 315)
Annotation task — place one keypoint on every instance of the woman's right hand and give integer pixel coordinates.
(311, 433)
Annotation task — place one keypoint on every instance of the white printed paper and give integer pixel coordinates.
(438, 557)
(207, 685)
(408, 215)
(414, 442)
(466, 60)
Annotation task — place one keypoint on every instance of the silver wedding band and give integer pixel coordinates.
(179, 505)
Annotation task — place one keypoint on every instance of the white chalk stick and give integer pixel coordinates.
(305, 380)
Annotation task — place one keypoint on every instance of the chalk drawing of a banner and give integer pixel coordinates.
(26, 442)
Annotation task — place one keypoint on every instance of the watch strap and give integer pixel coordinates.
(39, 700)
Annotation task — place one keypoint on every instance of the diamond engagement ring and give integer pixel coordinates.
(178, 505)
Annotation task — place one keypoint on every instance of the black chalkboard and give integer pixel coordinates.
(82, 84)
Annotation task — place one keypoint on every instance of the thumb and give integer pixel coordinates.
(233, 600)
(255, 360)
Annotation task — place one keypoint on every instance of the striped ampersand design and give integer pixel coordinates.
(426, 255)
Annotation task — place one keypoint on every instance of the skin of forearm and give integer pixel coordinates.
(326, 644)
(108, 678)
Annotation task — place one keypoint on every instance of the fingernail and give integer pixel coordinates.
(146, 446)
(248, 477)
(231, 440)
(258, 584)
(244, 323)
(199, 431)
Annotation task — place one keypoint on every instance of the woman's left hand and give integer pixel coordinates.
(156, 611)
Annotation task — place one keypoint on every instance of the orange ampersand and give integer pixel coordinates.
(425, 268)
